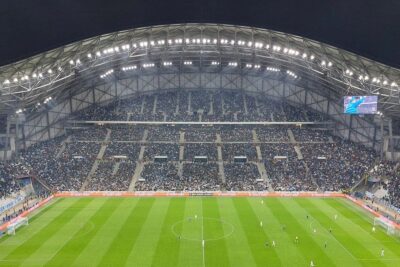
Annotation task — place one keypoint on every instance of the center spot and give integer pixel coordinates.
(202, 228)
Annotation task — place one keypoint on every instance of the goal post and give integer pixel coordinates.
(19, 222)
(388, 225)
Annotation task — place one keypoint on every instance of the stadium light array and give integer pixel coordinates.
(187, 62)
(214, 63)
(106, 74)
(167, 63)
(257, 66)
(125, 47)
(144, 44)
(148, 65)
(291, 74)
(47, 100)
(276, 48)
(127, 68)
(272, 69)
(258, 45)
(349, 72)
(248, 65)
(232, 64)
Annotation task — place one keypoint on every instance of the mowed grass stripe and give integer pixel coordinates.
(70, 251)
(286, 250)
(37, 214)
(238, 248)
(256, 237)
(65, 232)
(100, 243)
(123, 242)
(341, 239)
(362, 227)
(216, 253)
(146, 243)
(167, 250)
(35, 241)
(191, 251)
(307, 245)
(7, 243)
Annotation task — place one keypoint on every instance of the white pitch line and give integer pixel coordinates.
(202, 234)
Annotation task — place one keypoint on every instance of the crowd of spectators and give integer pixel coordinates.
(230, 151)
(159, 176)
(272, 134)
(317, 161)
(236, 134)
(200, 150)
(212, 106)
(337, 165)
(88, 134)
(394, 188)
(203, 134)
(243, 177)
(8, 185)
(127, 133)
(310, 135)
(164, 133)
(118, 149)
(111, 176)
(169, 150)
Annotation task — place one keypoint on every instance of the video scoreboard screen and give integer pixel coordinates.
(361, 104)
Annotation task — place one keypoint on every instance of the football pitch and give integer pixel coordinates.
(199, 231)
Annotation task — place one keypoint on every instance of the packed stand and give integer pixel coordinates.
(337, 165)
(243, 177)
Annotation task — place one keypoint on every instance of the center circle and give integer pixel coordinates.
(202, 228)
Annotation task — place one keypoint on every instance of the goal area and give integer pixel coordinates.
(17, 224)
(389, 226)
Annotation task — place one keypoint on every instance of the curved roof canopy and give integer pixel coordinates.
(195, 47)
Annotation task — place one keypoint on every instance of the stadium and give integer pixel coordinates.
(199, 144)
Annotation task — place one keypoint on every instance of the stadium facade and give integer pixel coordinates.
(38, 95)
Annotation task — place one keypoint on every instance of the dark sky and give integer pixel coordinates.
(368, 27)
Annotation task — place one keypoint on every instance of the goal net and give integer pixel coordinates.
(386, 224)
(17, 224)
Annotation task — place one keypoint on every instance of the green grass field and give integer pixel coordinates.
(165, 232)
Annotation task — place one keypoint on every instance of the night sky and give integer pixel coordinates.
(370, 28)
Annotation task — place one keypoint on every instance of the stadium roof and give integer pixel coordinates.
(202, 47)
